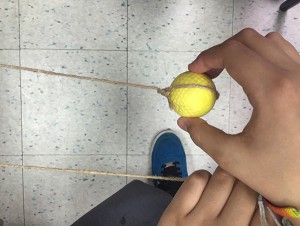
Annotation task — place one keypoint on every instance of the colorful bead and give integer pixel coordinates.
(287, 212)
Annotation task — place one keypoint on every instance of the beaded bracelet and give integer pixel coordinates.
(286, 212)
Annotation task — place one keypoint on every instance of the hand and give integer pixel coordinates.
(265, 155)
(212, 201)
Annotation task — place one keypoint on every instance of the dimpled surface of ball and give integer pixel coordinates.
(192, 102)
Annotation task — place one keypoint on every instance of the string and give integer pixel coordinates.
(165, 92)
(52, 73)
(90, 172)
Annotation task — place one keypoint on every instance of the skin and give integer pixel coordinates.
(214, 200)
(265, 155)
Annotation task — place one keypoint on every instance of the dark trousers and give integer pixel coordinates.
(137, 204)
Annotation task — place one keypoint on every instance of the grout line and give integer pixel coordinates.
(230, 81)
(232, 18)
(102, 50)
(77, 155)
(92, 154)
(21, 108)
(9, 49)
(127, 99)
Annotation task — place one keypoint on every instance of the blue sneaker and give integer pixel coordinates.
(169, 160)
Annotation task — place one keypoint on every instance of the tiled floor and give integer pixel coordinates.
(61, 122)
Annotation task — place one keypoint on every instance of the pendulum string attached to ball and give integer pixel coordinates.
(188, 85)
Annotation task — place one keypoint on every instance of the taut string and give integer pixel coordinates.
(90, 172)
(165, 92)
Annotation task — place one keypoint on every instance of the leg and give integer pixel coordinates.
(288, 4)
(136, 204)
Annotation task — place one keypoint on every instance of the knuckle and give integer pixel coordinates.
(273, 36)
(231, 43)
(222, 175)
(199, 177)
(248, 32)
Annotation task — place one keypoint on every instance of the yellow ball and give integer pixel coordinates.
(190, 101)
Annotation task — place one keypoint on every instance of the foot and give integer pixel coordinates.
(168, 160)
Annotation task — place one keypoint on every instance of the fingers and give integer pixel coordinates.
(285, 46)
(240, 205)
(189, 194)
(255, 221)
(224, 200)
(233, 56)
(213, 73)
(215, 195)
(210, 200)
(217, 144)
(264, 47)
(253, 60)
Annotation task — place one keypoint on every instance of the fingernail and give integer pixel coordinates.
(182, 124)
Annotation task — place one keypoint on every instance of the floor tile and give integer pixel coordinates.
(178, 25)
(73, 24)
(9, 24)
(149, 113)
(69, 116)
(265, 16)
(141, 165)
(11, 192)
(240, 109)
(56, 198)
(200, 162)
(10, 113)
(70, 123)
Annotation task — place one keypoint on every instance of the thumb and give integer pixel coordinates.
(216, 143)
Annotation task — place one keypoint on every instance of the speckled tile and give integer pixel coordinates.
(11, 192)
(240, 108)
(74, 24)
(139, 164)
(175, 25)
(9, 24)
(10, 114)
(200, 162)
(265, 17)
(56, 198)
(71, 116)
(149, 112)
